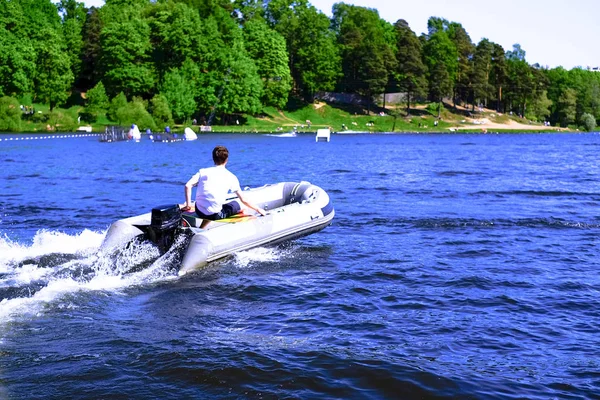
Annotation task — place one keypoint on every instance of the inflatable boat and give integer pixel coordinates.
(293, 209)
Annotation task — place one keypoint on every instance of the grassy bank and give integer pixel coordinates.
(310, 117)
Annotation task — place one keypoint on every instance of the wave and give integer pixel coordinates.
(282, 135)
(56, 264)
(532, 193)
(360, 219)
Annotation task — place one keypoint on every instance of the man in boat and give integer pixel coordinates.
(213, 186)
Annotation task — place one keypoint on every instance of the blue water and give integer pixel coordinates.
(457, 266)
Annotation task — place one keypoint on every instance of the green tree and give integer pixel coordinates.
(560, 80)
(73, 19)
(176, 34)
(136, 113)
(481, 72)
(498, 73)
(159, 107)
(441, 59)
(10, 114)
(179, 95)
(540, 107)
(589, 122)
(519, 80)
(116, 103)
(464, 66)
(410, 72)
(53, 73)
(17, 64)
(567, 107)
(125, 61)
(314, 58)
(91, 50)
(97, 100)
(366, 56)
(241, 90)
(268, 50)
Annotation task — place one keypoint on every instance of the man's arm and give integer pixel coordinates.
(248, 204)
(188, 191)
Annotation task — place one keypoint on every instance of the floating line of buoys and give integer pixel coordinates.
(49, 137)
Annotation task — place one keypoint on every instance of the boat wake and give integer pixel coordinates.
(282, 135)
(55, 266)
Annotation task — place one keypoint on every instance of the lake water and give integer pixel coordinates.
(457, 266)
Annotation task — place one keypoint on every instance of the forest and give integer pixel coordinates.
(170, 61)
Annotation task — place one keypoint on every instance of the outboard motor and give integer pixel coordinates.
(164, 224)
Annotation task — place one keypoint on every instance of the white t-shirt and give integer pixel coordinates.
(214, 184)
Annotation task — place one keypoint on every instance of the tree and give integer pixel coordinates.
(97, 100)
(410, 70)
(314, 58)
(440, 56)
(480, 74)
(567, 107)
(520, 80)
(125, 59)
(53, 76)
(267, 48)
(160, 111)
(498, 72)
(241, 90)
(176, 36)
(136, 113)
(589, 122)
(90, 50)
(178, 92)
(116, 103)
(96, 103)
(540, 107)
(366, 56)
(464, 66)
(73, 19)
(17, 64)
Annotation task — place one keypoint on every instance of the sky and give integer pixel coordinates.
(552, 32)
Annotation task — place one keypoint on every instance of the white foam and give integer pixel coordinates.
(92, 271)
(47, 242)
(258, 254)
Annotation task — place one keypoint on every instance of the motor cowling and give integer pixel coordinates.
(164, 224)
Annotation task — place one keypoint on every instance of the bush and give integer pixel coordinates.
(161, 111)
(97, 100)
(588, 121)
(88, 116)
(135, 113)
(10, 114)
(60, 121)
(118, 102)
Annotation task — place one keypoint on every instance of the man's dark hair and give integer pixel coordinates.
(220, 155)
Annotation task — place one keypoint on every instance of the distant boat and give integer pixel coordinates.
(282, 135)
(349, 132)
(84, 129)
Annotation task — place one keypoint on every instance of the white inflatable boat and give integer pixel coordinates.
(294, 209)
